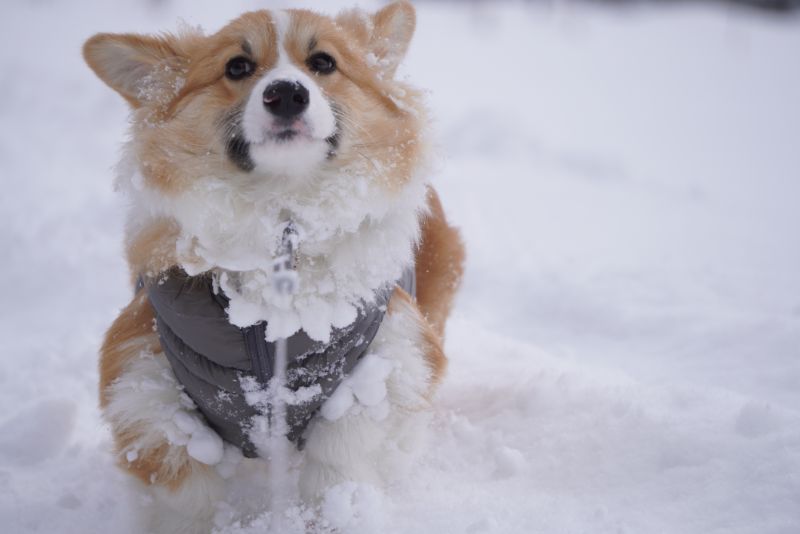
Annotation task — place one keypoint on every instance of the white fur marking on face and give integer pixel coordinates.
(299, 156)
(281, 20)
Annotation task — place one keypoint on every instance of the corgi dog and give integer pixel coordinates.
(282, 120)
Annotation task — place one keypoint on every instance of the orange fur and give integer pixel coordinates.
(434, 354)
(187, 141)
(129, 335)
(150, 466)
(152, 251)
(439, 265)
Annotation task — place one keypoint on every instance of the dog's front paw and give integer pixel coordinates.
(202, 443)
(363, 390)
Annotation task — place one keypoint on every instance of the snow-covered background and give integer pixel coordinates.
(625, 353)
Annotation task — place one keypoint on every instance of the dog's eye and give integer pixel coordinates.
(239, 68)
(321, 63)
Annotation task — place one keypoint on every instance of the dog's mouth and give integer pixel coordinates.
(288, 135)
(299, 132)
(285, 132)
(285, 135)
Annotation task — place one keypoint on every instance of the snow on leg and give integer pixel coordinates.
(188, 508)
(369, 430)
(162, 440)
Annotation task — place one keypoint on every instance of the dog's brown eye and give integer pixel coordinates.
(321, 63)
(239, 67)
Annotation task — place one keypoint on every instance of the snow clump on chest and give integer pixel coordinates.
(356, 235)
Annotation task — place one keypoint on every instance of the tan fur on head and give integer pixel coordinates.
(176, 83)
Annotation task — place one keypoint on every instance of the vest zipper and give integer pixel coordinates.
(255, 337)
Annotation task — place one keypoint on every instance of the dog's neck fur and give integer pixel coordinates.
(356, 236)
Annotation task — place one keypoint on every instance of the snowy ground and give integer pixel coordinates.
(625, 354)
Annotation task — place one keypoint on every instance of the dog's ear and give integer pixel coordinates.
(386, 34)
(143, 69)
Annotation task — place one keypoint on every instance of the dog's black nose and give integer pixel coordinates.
(285, 99)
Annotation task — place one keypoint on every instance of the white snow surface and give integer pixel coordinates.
(625, 352)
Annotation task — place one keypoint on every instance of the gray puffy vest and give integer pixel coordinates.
(211, 357)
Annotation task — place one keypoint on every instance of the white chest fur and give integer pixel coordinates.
(355, 236)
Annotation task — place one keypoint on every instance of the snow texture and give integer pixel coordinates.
(364, 388)
(340, 225)
(625, 353)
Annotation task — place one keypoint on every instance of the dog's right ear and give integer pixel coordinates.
(141, 68)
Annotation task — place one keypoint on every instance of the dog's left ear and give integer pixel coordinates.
(387, 35)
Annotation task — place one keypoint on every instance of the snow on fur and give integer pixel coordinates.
(355, 237)
(624, 352)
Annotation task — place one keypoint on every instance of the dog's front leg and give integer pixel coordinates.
(370, 429)
(159, 437)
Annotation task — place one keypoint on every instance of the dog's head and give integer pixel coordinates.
(281, 115)
(275, 98)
